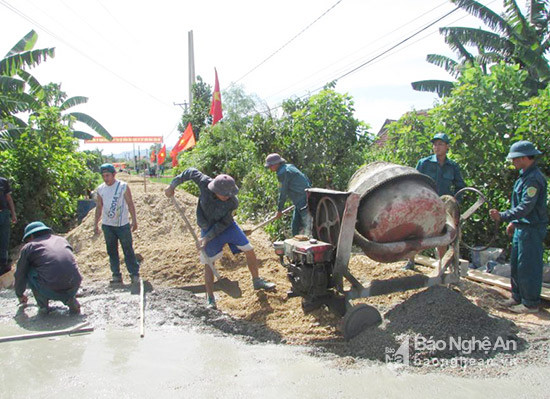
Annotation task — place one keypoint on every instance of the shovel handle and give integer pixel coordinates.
(190, 228)
(271, 219)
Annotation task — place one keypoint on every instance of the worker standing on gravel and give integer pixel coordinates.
(527, 222)
(47, 265)
(444, 171)
(217, 201)
(114, 203)
(7, 216)
(292, 184)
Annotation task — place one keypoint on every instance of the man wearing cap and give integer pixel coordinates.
(7, 216)
(217, 201)
(527, 223)
(444, 171)
(47, 265)
(292, 184)
(114, 203)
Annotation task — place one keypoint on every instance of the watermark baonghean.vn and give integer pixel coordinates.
(461, 346)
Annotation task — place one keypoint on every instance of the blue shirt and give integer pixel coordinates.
(213, 214)
(448, 179)
(528, 199)
(292, 184)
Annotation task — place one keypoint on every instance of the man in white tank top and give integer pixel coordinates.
(114, 203)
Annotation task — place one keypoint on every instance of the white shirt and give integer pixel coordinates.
(115, 209)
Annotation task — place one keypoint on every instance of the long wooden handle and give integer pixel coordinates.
(190, 228)
(271, 219)
(182, 213)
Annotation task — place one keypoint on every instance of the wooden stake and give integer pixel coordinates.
(141, 308)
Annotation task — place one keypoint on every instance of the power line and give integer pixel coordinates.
(52, 34)
(310, 76)
(287, 43)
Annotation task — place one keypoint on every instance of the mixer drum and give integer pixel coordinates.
(398, 203)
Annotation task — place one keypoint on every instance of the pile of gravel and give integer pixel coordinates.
(436, 323)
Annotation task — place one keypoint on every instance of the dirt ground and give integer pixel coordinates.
(170, 266)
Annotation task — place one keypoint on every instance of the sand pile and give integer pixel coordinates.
(170, 259)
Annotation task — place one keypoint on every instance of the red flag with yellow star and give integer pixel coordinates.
(216, 107)
(161, 156)
(153, 156)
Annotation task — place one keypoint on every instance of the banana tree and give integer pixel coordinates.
(514, 39)
(13, 83)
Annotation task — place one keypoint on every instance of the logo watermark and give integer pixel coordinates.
(424, 351)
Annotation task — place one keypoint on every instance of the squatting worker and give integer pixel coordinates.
(7, 216)
(47, 265)
(217, 201)
(114, 203)
(527, 222)
(444, 171)
(292, 184)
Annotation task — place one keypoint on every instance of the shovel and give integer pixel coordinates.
(271, 219)
(223, 283)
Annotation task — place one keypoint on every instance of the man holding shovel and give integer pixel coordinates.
(217, 201)
(292, 184)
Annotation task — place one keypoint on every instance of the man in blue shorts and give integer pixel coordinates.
(217, 201)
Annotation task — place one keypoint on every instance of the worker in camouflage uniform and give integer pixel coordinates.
(527, 224)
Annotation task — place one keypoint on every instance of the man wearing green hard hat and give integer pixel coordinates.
(444, 171)
(527, 223)
(47, 265)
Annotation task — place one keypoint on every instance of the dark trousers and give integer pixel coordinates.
(526, 262)
(114, 234)
(5, 226)
(43, 294)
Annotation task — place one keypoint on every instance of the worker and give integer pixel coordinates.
(7, 217)
(47, 265)
(217, 201)
(114, 203)
(444, 172)
(527, 223)
(292, 184)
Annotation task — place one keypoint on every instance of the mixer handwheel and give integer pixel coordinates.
(327, 220)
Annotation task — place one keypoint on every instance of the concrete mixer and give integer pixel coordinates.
(391, 212)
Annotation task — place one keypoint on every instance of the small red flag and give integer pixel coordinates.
(161, 156)
(216, 107)
(153, 156)
(186, 141)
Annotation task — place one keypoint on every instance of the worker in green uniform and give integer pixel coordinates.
(444, 171)
(527, 223)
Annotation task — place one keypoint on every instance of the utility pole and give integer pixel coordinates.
(191, 65)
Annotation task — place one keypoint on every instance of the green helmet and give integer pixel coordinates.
(441, 136)
(34, 227)
(522, 148)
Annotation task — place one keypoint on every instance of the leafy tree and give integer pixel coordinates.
(14, 96)
(54, 96)
(483, 116)
(515, 39)
(47, 172)
(324, 139)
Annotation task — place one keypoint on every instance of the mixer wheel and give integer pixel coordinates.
(358, 318)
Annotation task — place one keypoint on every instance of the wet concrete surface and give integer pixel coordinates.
(176, 363)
